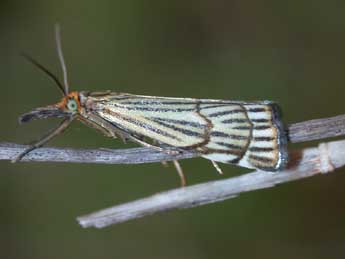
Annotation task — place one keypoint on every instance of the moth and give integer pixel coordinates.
(248, 134)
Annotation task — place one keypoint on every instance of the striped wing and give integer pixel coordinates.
(247, 134)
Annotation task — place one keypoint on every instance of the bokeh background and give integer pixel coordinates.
(291, 52)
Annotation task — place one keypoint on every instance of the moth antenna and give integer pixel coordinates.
(61, 57)
(46, 71)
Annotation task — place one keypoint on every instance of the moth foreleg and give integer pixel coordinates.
(45, 139)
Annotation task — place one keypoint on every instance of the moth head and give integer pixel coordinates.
(67, 108)
(70, 103)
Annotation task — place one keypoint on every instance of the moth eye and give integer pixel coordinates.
(72, 105)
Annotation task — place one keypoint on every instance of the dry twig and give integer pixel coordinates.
(305, 163)
(309, 162)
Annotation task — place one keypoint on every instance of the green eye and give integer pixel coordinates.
(72, 105)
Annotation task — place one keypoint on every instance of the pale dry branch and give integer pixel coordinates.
(305, 163)
(8, 151)
(317, 129)
(311, 161)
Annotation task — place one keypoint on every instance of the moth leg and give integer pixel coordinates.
(56, 131)
(123, 138)
(180, 173)
(217, 167)
(143, 143)
(165, 163)
(96, 126)
(102, 126)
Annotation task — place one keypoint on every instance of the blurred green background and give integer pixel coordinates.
(291, 52)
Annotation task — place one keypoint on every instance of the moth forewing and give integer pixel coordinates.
(249, 134)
